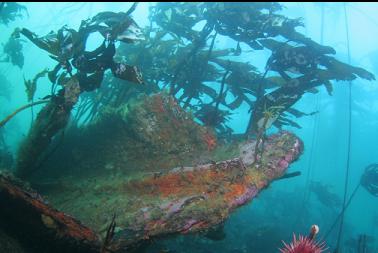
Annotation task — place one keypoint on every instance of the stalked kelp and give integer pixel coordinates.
(194, 68)
(186, 59)
(12, 51)
(77, 71)
(173, 53)
(31, 85)
(178, 52)
(10, 11)
(312, 67)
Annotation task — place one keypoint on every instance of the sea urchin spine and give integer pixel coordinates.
(305, 244)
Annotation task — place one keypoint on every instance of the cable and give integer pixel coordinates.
(349, 141)
(342, 211)
(311, 162)
(316, 119)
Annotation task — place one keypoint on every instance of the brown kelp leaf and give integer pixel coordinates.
(209, 91)
(48, 42)
(127, 73)
(236, 103)
(274, 81)
(119, 26)
(345, 71)
(298, 113)
(329, 87)
(31, 85)
(131, 34)
(71, 91)
(30, 89)
(283, 121)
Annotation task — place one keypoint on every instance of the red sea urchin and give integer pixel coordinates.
(303, 245)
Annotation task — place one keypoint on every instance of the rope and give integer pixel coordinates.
(311, 161)
(316, 122)
(349, 141)
(342, 211)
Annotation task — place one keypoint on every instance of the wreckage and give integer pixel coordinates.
(176, 117)
(147, 205)
(181, 200)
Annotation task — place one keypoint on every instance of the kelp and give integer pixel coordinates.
(178, 18)
(315, 69)
(12, 50)
(67, 46)
(177, 69)
(175, 53)
(31, 85)
(50, 120)
(77, 71)
(258, 25)
(14, 113)
(299, 56)
(10, 11)
(246, 22)
(214, 117)
(118, 26)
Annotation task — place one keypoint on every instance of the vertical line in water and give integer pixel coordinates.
(349, 137)
(316, 122)
(309, 175)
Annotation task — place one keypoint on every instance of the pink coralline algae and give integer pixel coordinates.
(146, 213)
(288, 158)
(190, 199)
(283, 164)
(174, 206)
(189, 224)
(249, 194)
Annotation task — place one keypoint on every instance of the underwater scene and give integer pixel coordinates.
(177, 127)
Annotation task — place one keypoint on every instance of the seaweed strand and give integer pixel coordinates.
(10, 116)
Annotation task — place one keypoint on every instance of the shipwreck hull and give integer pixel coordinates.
(182, 200)
(148, 201)
(25, 216)
(191, 199)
